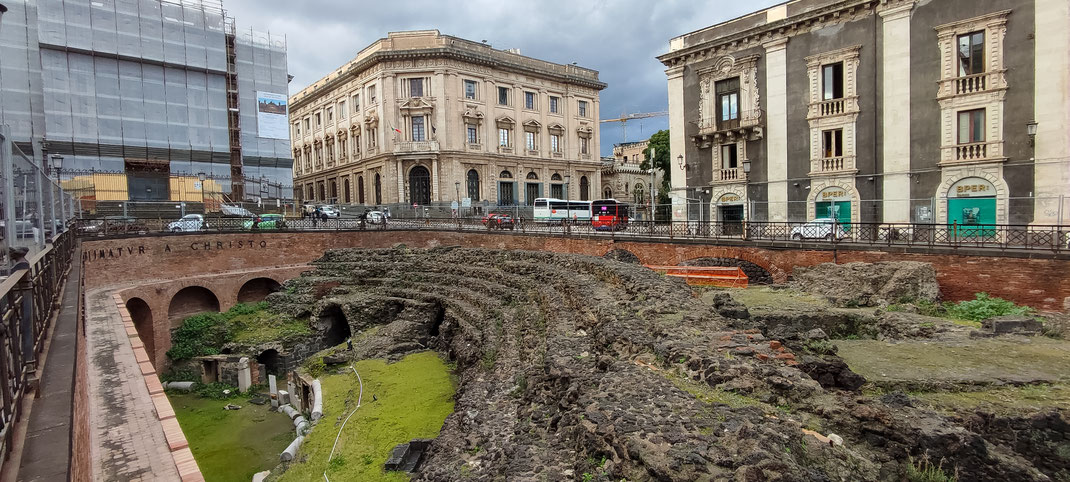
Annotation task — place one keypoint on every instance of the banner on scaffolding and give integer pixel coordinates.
(271, 116)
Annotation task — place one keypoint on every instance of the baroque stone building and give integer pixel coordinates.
(419, 117)
(887, 111)
(624, 180)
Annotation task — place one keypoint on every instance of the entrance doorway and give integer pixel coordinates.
(834, 203)
(420, 185)
(731, 218)
(971, 208)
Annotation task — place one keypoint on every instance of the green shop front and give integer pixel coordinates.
(971, 207)
(835, 203)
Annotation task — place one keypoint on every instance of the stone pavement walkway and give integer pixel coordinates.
(45, 453)
(127, 438)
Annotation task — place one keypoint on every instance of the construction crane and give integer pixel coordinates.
(624, 118)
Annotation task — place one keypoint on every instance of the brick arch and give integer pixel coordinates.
(256, 289)
(756, 274)
(189, 301)
(141, 313)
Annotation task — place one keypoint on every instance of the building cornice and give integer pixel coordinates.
(773, 32)
(451, 52)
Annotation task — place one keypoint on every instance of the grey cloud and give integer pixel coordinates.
(619, 38)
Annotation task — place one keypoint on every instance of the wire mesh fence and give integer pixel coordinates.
(33, 206)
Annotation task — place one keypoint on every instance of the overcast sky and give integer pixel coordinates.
(618, 38)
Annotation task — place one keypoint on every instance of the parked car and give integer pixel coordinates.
(378, 217)
(24, 229)
(820, 228)
(188, 223)
(87, 226)
(235, 211)
(265, 221)
(499, 221)
(124, 224)
(329, 211)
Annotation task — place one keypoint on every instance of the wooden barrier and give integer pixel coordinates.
(725, 277)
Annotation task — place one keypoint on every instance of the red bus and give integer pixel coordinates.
(609, 215)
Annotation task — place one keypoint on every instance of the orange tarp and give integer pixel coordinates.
(726, 277)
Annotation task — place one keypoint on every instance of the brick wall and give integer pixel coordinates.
(81, 466)
(1042, 282)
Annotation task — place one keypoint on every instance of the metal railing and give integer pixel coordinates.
(785, 234)
(27, 301)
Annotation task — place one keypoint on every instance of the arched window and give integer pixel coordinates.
(345, 190)
(607, 193)
(555, 177)
(420, 185)
(506, 175)
(473, 185)
(532, 176)
(637, 193)
(334, 191)
(360, 189)
(585, 187)
(378, 189)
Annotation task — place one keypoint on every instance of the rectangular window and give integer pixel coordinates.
(416, 87)
(418, 128)
(319, 120)
(356, 104)
(330, 115)
(529, 100)
(553, 104)
(503, 96)
(555, 143)
(529, 140)
(503, 137)
(971, 52)
(832, 143)
(470, 89)
(583, 145)
(727, 99)
(371, 94)
(971, 126)
(308, 124)
(728, 156)
(342, 110)
(832, 81)
(557, 191)
(297, 129)
(473, 134)
(582, 108)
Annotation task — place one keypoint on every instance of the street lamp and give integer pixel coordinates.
(680, 162)
(746, 192)
(1031, 129)
(57, 164)
(457, 187)
(650, 164)
(202, 176)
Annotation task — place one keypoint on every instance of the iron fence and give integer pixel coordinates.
(788, 234)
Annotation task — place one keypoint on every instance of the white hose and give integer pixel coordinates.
(336, 437)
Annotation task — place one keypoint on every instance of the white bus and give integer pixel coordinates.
(549, 210)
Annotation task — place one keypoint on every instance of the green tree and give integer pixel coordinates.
(659, 141)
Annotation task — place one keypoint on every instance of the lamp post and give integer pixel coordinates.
(1031, 129)
(687, 199)
(650, 165)
(201, 177)
(746, 193)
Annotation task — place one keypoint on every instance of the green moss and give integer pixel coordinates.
(709, 394)
(414, 397)
(231, 445)
(205, 333)
(1002, 400)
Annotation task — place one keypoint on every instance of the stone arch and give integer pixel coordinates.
(141, 313)
(952, 176)
(847, 185)
(257, 289)
(756, 274)
(189, 301)
(622, 255)
(270, 359)
(336, 324)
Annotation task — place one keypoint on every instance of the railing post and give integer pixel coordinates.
(7, 171)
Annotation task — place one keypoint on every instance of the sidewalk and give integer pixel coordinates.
(46, 451)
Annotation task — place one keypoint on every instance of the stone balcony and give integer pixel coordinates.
(405, 147)
(729, 176)
(832, 108)
(713, 131)
(973, 152)
(830, 166)
(972, 84)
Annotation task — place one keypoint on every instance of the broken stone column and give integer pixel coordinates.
(289, 411)
(291, 450)
(274, 391)
(317, 400)
(284, 397)
(301, 425)
(295, 399)
(245, 376)
(184, 386)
